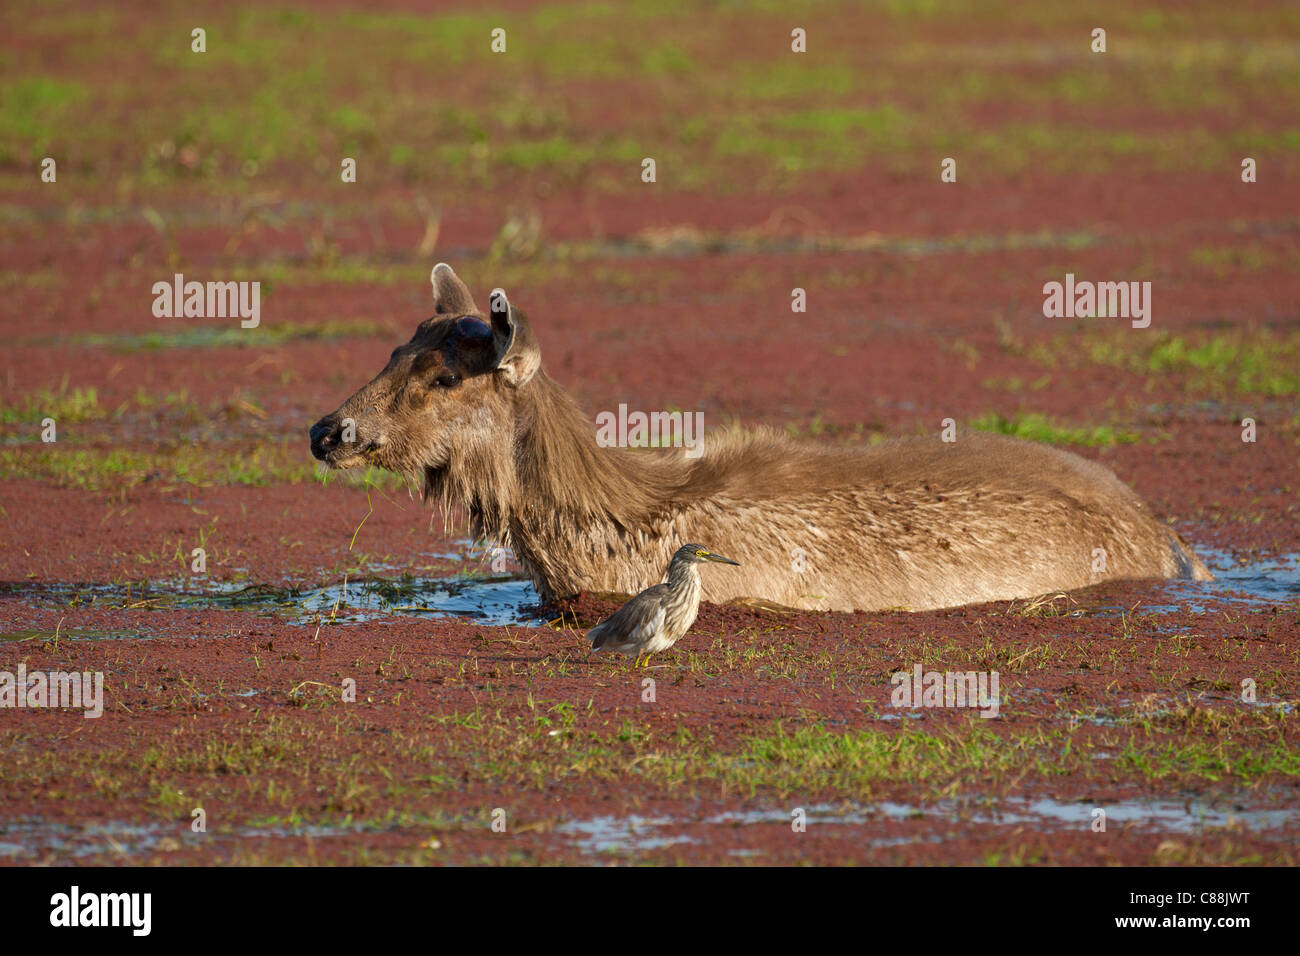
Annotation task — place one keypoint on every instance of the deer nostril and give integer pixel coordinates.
(324, 436)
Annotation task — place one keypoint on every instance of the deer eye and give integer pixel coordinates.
(447, 380)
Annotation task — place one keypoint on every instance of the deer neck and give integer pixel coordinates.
(567, 490)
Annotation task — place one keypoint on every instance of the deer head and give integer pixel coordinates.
(446, 399)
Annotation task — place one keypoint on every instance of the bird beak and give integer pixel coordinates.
(710, 556)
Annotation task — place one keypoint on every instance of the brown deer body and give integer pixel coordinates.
(466, 409)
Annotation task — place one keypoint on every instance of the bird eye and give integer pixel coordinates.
(447, 380)
(700, 554)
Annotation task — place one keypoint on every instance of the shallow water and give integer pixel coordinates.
(613, 834)
(499, 601)
(69, 634)
(1248, 587)
(1167, 815)
(513, 602)
(32, 837)
(503, 601)
(1267, 581)
(609, 834)
(384, 589)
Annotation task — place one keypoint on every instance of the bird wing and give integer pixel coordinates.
(635, 622)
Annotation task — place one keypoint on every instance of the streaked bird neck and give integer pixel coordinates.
(683, 601)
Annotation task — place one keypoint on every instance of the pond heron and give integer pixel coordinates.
(654, 619)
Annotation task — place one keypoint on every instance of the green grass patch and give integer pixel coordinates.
(207, 464)
(31, 106)
(855, 761)
(1241, 361)
(62, 404)
(1037, 427)
(813, 759)
(233, 336)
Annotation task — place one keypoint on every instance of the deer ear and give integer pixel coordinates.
(517, 354)
(450, 295)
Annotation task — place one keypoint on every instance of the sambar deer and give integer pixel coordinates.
(466, 410)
